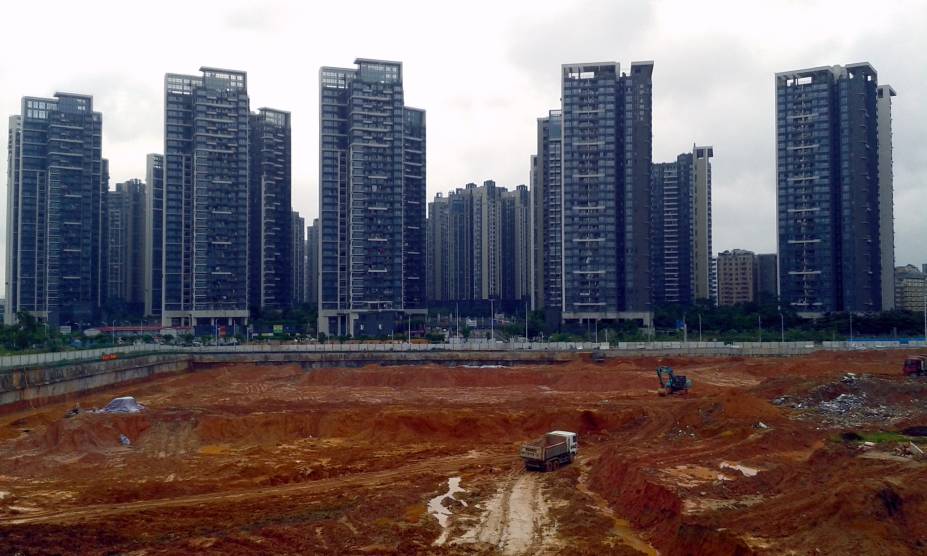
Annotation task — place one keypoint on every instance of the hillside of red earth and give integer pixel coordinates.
(820, 454)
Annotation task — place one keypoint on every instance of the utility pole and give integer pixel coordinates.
(781, 328)
(851, 326)
(457, 310)
(685, 330)
(526, 321)
(699, 328)
(596, 330)
(759, 325)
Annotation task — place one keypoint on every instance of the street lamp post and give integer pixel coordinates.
(699, 328)
(526, 321)
(759, 325)
(781, 328)
(492, 321)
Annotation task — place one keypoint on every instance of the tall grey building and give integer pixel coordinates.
(371, 199)
(154, 234)
(312, 263)
(681, 228)
(437, 257)
(297, 256)
(886, 197)
(607, 156)
(205, 275)
(516, 244)
(828, 181)
(56, 211)
(546, 214)
(126, 256)
(270, 240)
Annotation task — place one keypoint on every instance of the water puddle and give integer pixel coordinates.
(440, 512)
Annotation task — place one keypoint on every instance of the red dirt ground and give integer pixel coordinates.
(277, 460)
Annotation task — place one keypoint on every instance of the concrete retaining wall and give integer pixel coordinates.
(21, 388)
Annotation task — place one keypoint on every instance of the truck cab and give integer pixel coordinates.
(572, 440)
(915, 366)
(551, 451)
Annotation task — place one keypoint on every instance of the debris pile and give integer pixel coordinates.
(852, 401)
(125, 404)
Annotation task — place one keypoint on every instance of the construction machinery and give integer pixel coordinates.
(671, 383)
(915, 366)
(549, 452)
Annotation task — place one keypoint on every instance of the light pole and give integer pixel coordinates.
(596, 330)
(526, 321)
(492, 321)
(457, 310)
(699, 328)
(114, 333)
(851, 326)
(781, 328)
(759, 325)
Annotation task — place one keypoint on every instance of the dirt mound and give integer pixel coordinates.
(88, 432)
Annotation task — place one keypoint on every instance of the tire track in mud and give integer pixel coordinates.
(516, 520)
(440, 465)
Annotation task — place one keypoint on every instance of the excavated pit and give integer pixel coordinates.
(246, 459)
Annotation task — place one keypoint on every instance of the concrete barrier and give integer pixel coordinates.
(21, 388)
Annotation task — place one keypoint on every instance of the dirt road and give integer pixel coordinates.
(516, 520)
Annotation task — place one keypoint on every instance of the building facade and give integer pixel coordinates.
(681, 228)
(154, 234)
(885, 95)
(126, 243)
(767, 276)
(547, 213)
(297, 256)
(516, 244)
(479, 244)
(910, 288)
(828, 189)
(206, 182)
(56, 211)
(270, 240)
(312, 264)
(736, 277)
(372, 200)
(606, 163)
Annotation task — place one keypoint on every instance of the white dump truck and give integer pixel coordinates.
(549, 452)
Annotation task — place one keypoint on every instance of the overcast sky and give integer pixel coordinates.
(484, 72)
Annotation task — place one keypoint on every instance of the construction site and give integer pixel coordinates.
(814, 454)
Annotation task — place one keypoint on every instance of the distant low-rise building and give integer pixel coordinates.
(910, 287)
